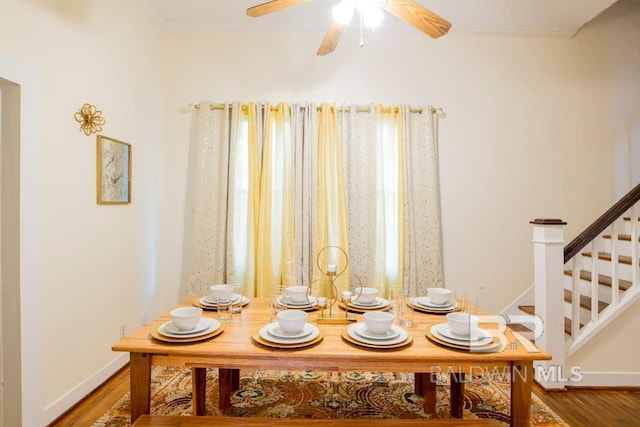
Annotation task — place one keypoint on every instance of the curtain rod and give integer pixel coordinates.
(213, 107)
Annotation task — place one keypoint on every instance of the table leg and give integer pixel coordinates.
(521, 382)
(457, 395)
(418, 385)
(427, 388)
(225, 387)
(140, 377)
(235, 380)
(199, 390)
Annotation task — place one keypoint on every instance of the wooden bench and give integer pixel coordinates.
(193, 421)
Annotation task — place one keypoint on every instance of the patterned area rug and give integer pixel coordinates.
(309, 394)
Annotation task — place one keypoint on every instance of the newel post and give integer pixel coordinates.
(548, 253)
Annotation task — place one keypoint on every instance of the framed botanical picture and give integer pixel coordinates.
(113, 171)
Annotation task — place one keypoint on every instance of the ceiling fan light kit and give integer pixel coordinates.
(371, 15)
(369, 10)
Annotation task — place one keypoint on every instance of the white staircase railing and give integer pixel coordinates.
(590, 282)
(611, 288)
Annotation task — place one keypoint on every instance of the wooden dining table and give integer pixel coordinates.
(235, 349)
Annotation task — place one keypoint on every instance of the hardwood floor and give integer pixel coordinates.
(593, 408)
(97, 403)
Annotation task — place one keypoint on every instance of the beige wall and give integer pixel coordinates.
(98, 261)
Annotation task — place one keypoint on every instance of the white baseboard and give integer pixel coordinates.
(57, 408)
(608, 379)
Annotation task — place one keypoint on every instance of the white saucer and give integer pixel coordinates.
(475, 336)
(305, 304)
(401, 335)
(169, 330)
(210, 300)
(479, 338)
(172, 329)
(264, 334)
(204, 302)
(361, 330)
(379, 302)
(274, 330)
(426, 302)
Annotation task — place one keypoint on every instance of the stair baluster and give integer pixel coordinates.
(634, 246)
(575, 290)
(615, 285)
(595, 283)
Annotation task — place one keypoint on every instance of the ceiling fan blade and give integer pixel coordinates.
(273, 6)
(419, 16)
(331, 39)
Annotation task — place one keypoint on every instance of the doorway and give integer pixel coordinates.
(10, 334)
(21, 243)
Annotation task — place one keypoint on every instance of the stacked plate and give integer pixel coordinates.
(305, 305)
(357, 333)
(378, 304)
(210, 303)
(426, 305)
(480, 340)
(272, 336)
(205, 329)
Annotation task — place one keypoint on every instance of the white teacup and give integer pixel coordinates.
(292, 321)
(186, 318)
(463, 324)
(439, 295)
(221, 292)
(296, 293)
(378, 322)
(366, 295)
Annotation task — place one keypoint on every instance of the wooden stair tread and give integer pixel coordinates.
(585, 301)
(624, 237)
(628, 218)
(530, 309)
(602, 279)
(606, 256)
(518, 327)
(567, 326)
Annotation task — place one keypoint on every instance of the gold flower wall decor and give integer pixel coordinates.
(90, 119)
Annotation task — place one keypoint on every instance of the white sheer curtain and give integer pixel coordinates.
(359, 133)
(209, 220)
(389, 161)
(423, 266)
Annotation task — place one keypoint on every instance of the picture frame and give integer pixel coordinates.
(113, 171)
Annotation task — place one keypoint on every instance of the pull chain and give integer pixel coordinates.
(361, 30)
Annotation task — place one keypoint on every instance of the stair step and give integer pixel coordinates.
(519, 327)
(585, 301)
(628, 218)
(602, 279)
(606, 256)
(531, 310)
(567, 326)
(624, 237)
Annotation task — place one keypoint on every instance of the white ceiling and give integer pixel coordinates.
(554, 17)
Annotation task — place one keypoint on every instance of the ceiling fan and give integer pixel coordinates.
(409, 11)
